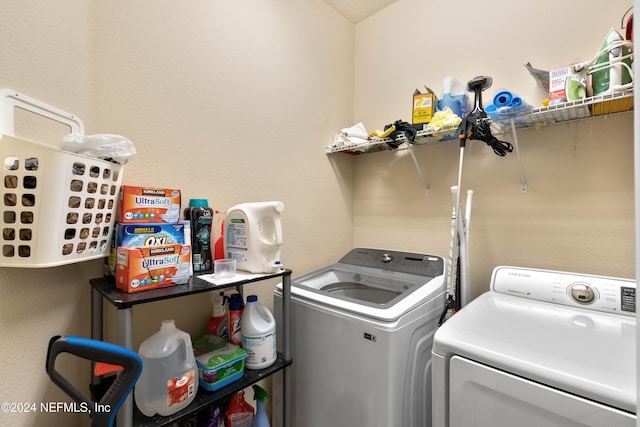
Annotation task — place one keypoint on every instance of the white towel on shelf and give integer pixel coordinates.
(354, 135)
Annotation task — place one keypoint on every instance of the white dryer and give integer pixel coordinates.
(362, 330)
(541, 348)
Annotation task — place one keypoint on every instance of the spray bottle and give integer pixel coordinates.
(217, 232)
(219, 321)
(236, 305)
(239, 413)
(261, 397)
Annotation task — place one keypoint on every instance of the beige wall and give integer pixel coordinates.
(578, 212)
(228, 100)
(234, 101)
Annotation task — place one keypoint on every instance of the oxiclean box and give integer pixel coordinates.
(144, 234)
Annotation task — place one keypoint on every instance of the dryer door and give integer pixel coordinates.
(484, 396)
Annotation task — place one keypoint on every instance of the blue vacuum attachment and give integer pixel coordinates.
(109, 358)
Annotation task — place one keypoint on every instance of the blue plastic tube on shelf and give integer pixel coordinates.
(505, 105)
(503, 99)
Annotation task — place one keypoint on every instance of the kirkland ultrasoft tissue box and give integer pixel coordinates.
(219, 362)
(142, 268)
(148, 204)
(144, 234)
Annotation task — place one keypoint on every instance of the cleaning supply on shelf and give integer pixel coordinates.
(253, 236)
(261, 397)
(168, 382)
(236, 306)
(200, 215)
(258, 327)
(217, 231)
(219, 362)
(213, 416)
(219, 321)
(239, 413)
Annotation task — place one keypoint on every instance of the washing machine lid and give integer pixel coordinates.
(375, 283)
(584, 352)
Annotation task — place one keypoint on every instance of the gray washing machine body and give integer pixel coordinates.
(362, 332)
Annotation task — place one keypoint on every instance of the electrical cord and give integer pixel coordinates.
(481, 130)
(483, 133)
(406, 128)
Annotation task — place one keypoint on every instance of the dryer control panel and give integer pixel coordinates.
(600, 293)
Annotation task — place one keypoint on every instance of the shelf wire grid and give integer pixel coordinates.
(595, 106)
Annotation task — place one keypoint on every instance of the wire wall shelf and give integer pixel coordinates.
(374, 145)
(587, 108)
(592, 107)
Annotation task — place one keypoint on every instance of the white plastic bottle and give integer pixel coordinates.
(169, 379)
(258, 328)
(253, 236)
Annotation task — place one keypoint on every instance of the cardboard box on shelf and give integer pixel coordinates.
(142, 268)
(144, 234)
(424, 106)
(148, 204)
(566, 84)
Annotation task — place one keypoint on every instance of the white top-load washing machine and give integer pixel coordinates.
(541, 348)
(362, 331)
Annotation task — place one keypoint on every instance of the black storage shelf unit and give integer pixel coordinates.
(204, 399)
(104, 289)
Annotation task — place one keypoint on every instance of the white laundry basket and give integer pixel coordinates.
(57, 207)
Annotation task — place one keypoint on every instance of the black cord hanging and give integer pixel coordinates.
(401, 128)
(476, 125)
(483, 133)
